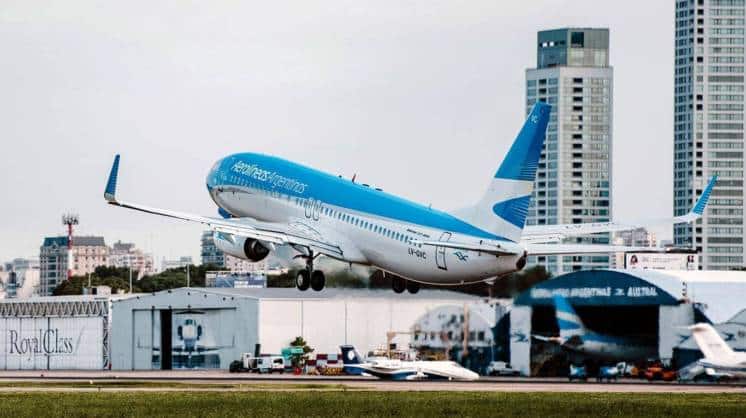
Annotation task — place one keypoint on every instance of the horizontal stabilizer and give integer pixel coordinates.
(555, 233)
(559, 249)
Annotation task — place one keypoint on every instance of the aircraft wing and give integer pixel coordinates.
(272, 233)
(555, 233)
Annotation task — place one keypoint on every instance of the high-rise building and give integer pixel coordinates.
(708, 127)
(638, 237)
(209, 252)
(54, 260)
(573, 180)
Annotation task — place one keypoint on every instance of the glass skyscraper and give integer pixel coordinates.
(708, 127)
(573, 181)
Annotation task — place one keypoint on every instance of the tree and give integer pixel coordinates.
(299, 360)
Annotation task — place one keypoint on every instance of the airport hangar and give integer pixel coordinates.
(658, 304)
(229, 322)
(209, 327)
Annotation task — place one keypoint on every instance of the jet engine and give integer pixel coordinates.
(241, 247)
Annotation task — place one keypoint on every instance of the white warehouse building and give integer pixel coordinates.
(209, 328)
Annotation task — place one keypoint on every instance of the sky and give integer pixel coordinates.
(421, 98)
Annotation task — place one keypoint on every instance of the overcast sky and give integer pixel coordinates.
(421, 98)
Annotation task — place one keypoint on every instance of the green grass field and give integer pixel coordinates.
(349, 404)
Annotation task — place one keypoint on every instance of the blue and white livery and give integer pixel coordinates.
(576, 338)
(265, 202)
(392, 369)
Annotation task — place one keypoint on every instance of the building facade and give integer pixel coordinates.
(126, 255)
(88, 252)
(178, 263)
(708, 127)
(573, 180)
(209, 252)
(211, 255)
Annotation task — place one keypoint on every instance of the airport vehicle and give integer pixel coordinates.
(577, 373)
(720, 362)
(394, 369)
(265, 202)
(658, 372)
(261, 364)
(576, 338)
(501, 368)
(608, 373)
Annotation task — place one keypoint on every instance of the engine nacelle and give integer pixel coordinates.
(241, 247)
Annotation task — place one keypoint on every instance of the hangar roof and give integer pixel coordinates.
(719, 295)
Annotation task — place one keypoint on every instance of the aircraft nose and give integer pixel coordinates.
(212, 175)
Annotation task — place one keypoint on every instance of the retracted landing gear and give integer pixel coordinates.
(309, 277)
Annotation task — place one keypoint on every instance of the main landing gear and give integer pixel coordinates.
(309, 277)
(400, 284)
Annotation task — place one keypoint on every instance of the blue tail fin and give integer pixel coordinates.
(568, 320)
(523, 157)
(350, 356)
(111, 185)
(504, 207)
(351, 360)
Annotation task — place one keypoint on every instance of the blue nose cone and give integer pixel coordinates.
(213, 177)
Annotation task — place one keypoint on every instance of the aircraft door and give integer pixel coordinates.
(440, 251)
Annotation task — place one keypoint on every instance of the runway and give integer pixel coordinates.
(223, 381)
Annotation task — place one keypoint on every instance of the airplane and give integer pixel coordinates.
(576, 338)
(392, 369)
(266, 202)
(719, 362)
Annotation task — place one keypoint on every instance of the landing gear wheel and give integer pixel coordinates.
(413, 287)
(303, 280)
(398, 284)
(317, 280)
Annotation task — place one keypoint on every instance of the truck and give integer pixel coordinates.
(262, 364)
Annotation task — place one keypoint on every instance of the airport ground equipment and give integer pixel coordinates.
(608, 373)
(501, 368)
(577, 373)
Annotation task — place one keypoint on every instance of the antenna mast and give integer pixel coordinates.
(70, 219)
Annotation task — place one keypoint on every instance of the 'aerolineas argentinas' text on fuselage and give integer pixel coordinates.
(271, 177)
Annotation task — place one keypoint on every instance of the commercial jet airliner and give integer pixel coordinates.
(265, 202)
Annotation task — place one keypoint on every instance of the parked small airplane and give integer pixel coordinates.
(392, 369)
(265, 202)
(576, 338)
(720, 361)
